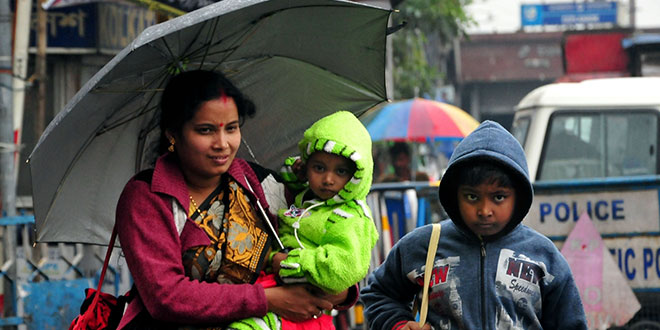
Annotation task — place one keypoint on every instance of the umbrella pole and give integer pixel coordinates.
(270, 225)
(263, 214)
(413, 161)
(247, 145)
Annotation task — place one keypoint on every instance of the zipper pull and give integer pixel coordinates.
(483, 248)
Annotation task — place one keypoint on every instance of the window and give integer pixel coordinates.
(520, 128)
(596, 144)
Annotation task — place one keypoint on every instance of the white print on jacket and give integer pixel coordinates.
(518, 279)
(443, 292)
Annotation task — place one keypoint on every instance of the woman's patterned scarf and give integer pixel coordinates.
(239, 240)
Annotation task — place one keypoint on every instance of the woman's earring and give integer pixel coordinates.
(171, 147)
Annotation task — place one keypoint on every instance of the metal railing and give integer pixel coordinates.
(44, 283)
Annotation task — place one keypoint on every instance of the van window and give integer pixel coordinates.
(520, 128)
(591, 145)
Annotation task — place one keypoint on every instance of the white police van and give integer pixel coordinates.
(592, 146)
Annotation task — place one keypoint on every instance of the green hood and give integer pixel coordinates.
(341, 133)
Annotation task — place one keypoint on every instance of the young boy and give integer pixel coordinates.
(328, 230)
(490, 271)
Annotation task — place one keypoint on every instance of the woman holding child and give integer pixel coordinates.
(203, 268)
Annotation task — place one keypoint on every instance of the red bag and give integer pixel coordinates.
(101, 311)
(105, 314)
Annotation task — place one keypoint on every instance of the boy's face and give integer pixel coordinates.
(487, 208)
(328, 173)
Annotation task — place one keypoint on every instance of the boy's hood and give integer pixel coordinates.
(341, 133)
(493, 143)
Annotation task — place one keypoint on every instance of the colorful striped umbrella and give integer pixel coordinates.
(418, 120)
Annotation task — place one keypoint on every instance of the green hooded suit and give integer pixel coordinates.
(338, 234)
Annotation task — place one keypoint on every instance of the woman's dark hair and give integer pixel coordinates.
(185, 93)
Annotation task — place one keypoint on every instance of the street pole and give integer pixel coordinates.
(7, 147)
(41, 70)
(8, 152)
(21, 42)
(632, 10)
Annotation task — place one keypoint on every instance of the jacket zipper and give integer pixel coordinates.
(483, 285)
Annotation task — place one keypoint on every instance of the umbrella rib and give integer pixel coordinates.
(185, 54)
(205, 47)
(246, 35)
(137, 114)
(177, 60)
(209, 38)
(124, 120)
(244, 38)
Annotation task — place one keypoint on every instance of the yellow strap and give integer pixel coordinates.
(428, 269)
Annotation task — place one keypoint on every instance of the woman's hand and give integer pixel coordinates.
(295, 303)
(277, 259)
(412, 325)
(335, 299)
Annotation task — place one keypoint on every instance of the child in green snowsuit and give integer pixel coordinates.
(328, 230)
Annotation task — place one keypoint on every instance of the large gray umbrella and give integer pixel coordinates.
(297, 60)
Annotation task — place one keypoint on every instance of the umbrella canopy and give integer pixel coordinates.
(418, 120)
(297, 60)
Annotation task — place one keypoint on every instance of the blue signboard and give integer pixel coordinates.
(68, 27)
(568, 13)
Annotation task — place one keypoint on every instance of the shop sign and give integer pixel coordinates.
(119, 24)
(68, 27)
(568, 13)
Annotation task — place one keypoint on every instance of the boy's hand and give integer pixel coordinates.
(277, 259)
(412, 325)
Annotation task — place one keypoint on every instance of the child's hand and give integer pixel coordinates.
(277, 259)
(298, 169)
(412, 325)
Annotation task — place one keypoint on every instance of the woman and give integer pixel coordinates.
(203, 270)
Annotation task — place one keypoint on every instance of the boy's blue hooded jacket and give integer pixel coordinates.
(516, 279)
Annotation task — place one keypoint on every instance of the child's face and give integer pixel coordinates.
(486, 208)
(328, 173)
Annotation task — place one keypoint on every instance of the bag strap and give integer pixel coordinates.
(89, 313)
(430, 257)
